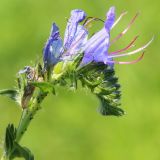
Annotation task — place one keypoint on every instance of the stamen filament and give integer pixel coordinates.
(91, 19)
(124, 49)
(125, 30)
(133, 52)
(130, 62)
(119, 18)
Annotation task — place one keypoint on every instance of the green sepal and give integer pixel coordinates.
(77, 60)
(11, 93)
(45, 86)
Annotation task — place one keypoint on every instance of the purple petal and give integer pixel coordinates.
(76, 17)
(52, 49)
(78, 44)
(110, 18)
(96, 48)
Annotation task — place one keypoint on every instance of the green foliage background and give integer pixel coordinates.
(69, 127)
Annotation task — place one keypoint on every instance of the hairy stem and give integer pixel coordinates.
(28, 114)
(23, 124)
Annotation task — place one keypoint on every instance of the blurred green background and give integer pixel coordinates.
(69, 127)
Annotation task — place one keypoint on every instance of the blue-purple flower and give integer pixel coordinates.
(53, 47)
(95, 48)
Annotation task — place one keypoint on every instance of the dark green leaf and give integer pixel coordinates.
(21, 152)
(44, 86)
(9, 138)
(11, 93)
(12, 148)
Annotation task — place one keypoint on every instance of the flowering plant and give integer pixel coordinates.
(77, 58)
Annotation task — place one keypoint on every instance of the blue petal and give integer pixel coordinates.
(77, 16)
(52, 49)
(96, 48)
(110, 18)
(77, 45)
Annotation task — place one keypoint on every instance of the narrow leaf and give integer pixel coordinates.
(11, 93)
(44, 86)
(21, 152)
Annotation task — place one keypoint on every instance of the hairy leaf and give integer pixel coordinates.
(12, 148)
(44, 86)
(11, 93)
(21, 152)
(10, 137)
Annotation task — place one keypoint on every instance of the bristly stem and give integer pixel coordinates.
(27, 115)
(23, 124)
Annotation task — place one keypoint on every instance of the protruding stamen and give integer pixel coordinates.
(130, 62)
(89, 20)
(119, 18)
(125, 30)
(133, 52)
(124, 49)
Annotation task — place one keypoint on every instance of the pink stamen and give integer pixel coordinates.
(91, 19)
(125, 30)
(132, 52)
(124, 49)
(119, 18)
(131, 62)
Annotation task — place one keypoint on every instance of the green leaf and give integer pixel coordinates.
(11, 93)
(12, 148)
(77, 60)
(44, 86)
(10, 137)
(21, 152)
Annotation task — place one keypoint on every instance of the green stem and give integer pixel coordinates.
(23, 124)
(28, 114)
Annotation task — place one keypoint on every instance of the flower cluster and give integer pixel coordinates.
(95, 48)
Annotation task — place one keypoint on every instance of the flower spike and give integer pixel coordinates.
(96, 48)
(76, 59)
